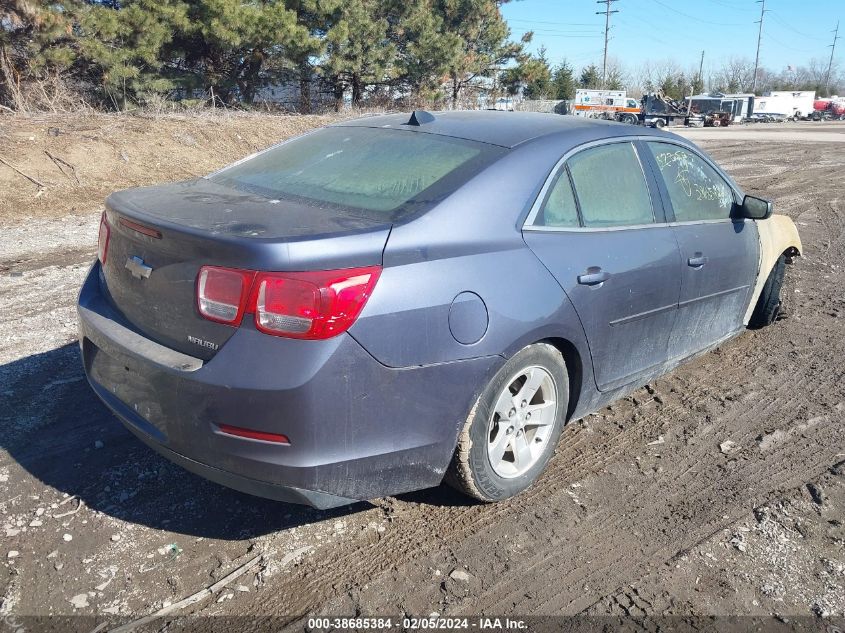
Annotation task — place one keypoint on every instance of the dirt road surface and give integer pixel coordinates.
(792, 132)
(718, 489)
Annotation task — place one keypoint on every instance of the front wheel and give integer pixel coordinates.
(513, 428)
(768, 305)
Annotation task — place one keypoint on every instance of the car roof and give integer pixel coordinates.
(498, 127)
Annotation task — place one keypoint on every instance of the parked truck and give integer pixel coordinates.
(827, 109)
(657, 110)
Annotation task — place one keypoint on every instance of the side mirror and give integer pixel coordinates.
(755, 208)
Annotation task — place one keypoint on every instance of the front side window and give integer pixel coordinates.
(696, 190)
(611, 187)
(377, 172)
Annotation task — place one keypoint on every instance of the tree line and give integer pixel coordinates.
(118, 54)
(122, 51)
(539, 79)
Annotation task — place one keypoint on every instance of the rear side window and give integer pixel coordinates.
(559, 209)
(611, 187)
(696, 190)
(383, 173)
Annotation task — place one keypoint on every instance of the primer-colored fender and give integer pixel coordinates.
(778, 235)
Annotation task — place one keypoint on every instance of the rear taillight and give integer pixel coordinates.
(312, 305)
(307, 305)
(103, 239)
(222, 293)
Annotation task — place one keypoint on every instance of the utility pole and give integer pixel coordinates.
(699, 82)
(701, 72)
(759, 38)
(606, 13)
(830, 63)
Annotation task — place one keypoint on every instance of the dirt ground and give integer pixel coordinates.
(644, 510)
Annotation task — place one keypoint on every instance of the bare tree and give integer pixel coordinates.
(667, 77)
(617, 75)
(735, 75)
(813, 76)
(653, 75)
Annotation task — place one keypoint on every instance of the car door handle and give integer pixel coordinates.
(593, 276)
(697, 261)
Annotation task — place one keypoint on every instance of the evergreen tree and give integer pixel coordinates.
(590, 77)
(532, 74)
(122, 47)
(615, 78)
(537, 75)
(481, 35)
(316, 17)
(228, 43)
(563, 81)
(358, 50)
(424, 47)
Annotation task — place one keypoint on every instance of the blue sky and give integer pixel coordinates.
(793, 32)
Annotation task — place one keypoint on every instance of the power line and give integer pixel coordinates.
(787, 46)
(786, 24)
(692, 17)
(733, 7)
(636, 32)
(830, 63)
(559, 31)
(552, 23)
(607, 11)
(759, 38)
(589, 37)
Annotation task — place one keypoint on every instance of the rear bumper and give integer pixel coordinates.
(358, 429)
(254, 487)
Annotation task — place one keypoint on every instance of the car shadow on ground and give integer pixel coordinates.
(59, 432)
(442, 496)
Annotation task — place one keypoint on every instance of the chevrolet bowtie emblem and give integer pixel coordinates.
(138, 268)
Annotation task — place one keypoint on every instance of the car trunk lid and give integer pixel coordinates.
(161, 236)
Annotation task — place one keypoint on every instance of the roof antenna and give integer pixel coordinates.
(418, 117)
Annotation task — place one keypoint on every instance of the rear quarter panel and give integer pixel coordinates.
(471, 242)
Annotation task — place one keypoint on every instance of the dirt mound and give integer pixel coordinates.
(69, 164)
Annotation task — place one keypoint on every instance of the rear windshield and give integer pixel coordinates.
(381, 173)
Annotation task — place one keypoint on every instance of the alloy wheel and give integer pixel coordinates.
(522, 421)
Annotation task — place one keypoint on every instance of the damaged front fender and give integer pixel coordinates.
(778, 236)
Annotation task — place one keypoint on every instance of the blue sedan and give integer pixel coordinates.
(385, 303)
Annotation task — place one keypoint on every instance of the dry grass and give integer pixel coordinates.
(81, 158)
(52, 92)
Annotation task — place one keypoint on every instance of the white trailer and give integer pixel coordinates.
(779, 105)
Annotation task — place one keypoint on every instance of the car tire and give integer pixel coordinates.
(768, 305)
(488, 426)
(660, 124)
